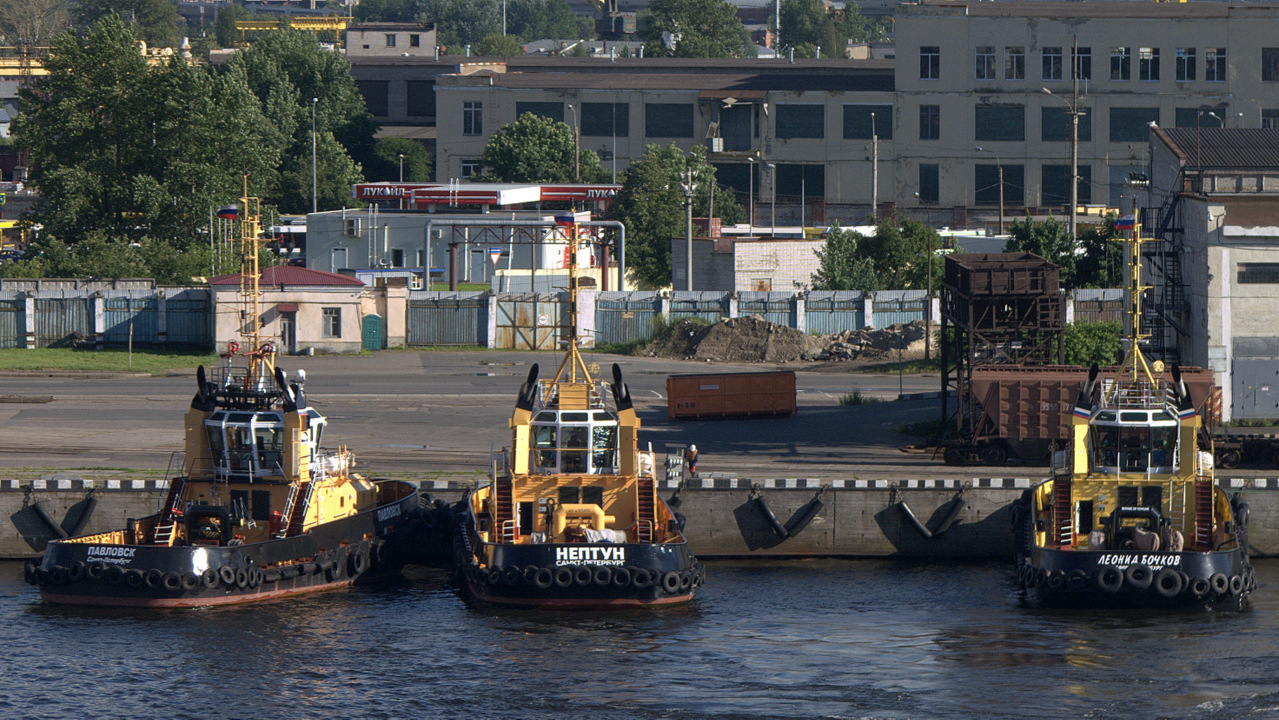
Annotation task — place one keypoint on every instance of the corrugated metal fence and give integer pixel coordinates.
(448, 318)
(622, 317)
(75, 316)
(830, 311)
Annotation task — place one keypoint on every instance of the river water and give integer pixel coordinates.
(795, 639)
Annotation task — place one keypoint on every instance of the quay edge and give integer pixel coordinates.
(967, 519)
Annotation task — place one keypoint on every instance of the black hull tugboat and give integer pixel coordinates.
(260, 510)
(571, 517)
(1132, 514)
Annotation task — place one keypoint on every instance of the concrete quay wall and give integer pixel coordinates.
(862, 518)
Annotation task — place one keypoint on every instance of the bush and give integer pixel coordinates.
(1089, 343)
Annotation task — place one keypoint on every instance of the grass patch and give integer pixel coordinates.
(1255, 423)
(857, 398)
(148, 360)
(921, 429)
(908, 367)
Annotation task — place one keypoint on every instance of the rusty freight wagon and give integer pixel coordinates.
(731, 395)
(1023, 412)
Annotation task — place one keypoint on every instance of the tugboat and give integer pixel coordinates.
(260, 510)
(571, 517)
(1132, 514)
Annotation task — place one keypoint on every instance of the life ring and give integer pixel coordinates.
(133, 577)
(114, 574)
(543, 578)
(209, 578)
(154, 579)
(1220, 583)
(1138, 576)
(512, 574)
(622, 577)
(1109, 578)
(1236, 584)
(582, 575)
(670, 582)
(1168, 583)
(642, 578)
(1056, 580)
(563, 577)
(602, 575)
(75, 571)
(1077, 579)
(95, 570)
(171, 581)
(1200, 587)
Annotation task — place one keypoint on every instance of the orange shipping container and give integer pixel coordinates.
(731, 394)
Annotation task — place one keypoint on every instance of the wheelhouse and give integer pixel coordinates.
(579, 442)
(1134, 441)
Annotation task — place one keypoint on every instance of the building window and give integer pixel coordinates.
(985, 60)
(1270, 119)
(1052, 63)
(472, 118)
(800, 121)
(929, 122)
(1131, 124)
(1121, 63)
(930, 62)
(606, 119)
(1014, 63)
(929, 182)
(390, 39)
(420, 98)
(668, 120)
(332, 325)
(553, 111)
(419, 258)
(1258, 273)
(1054, 124)
(1198, 117)
(1083, 63)
(375, 94)
(1000, 122)
(862, 121)
(1215, 64)
(986, 184)
(415, 41)
(801, 183)
(1270, 64)
(1185, 64)
(1148, 64)
(470, 168)
(1055, 185)
(397, 258)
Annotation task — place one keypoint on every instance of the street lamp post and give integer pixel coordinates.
(999, 169)
(687, 186)
(928, 296)
(1073, 107)
(750, 193)
(874, 170)
(314, 201)
(577, 148)
(401, 167)
(772, 211)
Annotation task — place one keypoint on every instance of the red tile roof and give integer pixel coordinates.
(292, 275)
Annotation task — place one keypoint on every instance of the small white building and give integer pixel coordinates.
(385, 39)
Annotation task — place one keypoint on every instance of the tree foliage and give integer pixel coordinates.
(1088, 343)
(133, 150)
(387, 156)
(536, 149)
(32, 22)
(651, 206)
(1048, 239)
(461, 22)
(539, 19)
(155, 22)
(1102, 263)
(810, 24)
(1096, 260)
(840, 267)
(896, 257)
(693, 29)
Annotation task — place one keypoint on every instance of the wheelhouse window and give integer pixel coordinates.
(575, 442)
(1134, 441)
(246, 443)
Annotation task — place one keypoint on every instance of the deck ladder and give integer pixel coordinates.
(295, 507)
(647, 510)
(168, 516)
(504, 507)
(1063, 519)
(1203, 512)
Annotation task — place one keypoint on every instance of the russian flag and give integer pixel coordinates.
(1127, 222)
(229, 212)
(565, 219)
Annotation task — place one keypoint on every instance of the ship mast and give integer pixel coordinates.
(1135, 373)
(572, 362)
(261, 355)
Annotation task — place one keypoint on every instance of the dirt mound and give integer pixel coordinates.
(754, 339)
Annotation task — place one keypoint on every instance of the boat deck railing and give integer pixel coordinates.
(1138, 394)
(548, 393)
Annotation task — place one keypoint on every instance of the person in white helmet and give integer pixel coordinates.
(690, 459)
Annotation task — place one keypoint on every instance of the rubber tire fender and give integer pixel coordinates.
(642, 578)
(543, 579)
(114, 574)
(1077, 579)
(493, 576)
(1056, 580)
(1200, 587)
(1109, 578)
(226, 574)
(583, 576)
(1220, 583)
(29, 572)
(622, 576)
(241, 578)
(1138, 576)
(602, 575)
(172, 581)
(76, 571)
(358, 561)
(133, 577)
(1236, 584)
(1168, 583)
(154, 579)
(57, 575)
(670, 582)
(528, 573)
(511, 575)
(563, 577)
(95, 570)
(209, 578)
(685, 580)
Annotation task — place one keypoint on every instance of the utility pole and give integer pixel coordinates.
(874, 170)
(314, 204)
(687, 186)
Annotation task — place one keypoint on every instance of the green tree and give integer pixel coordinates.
(651, 206)
(130, 150)
(387, 158)
(386, 11)
(899, 253)
(693, 29)
(155, 22)
(500, 46)
(32, 22)
(1048, 239)
(224, 27)
(1088, 343)
(461, 22)
(1102, 262)
(839, 265)
(536, 149)
(293, 77)
(538, 19)
(808, 26)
